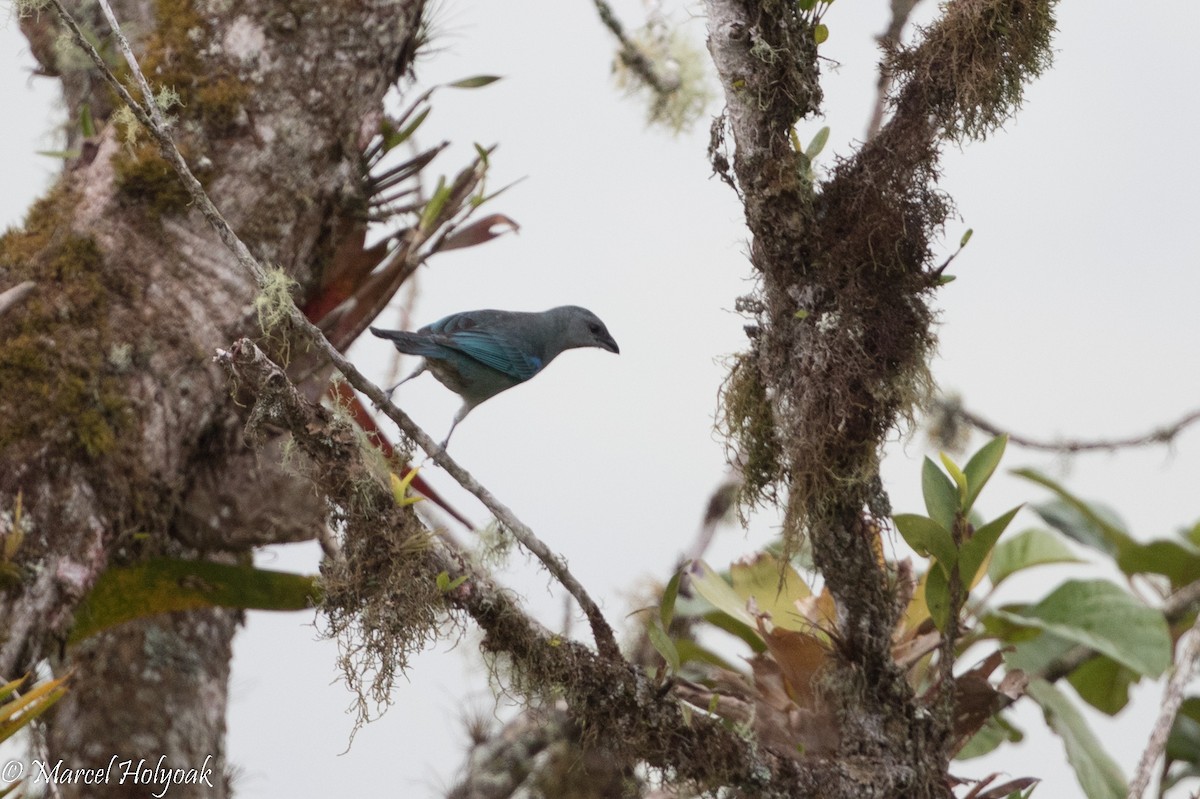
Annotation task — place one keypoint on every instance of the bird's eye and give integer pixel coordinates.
(595, 328)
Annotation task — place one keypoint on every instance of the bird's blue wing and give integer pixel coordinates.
(497, 351)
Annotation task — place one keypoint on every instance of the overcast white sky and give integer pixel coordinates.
(1073, 315)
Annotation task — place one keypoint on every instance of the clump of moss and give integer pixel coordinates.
(209, 91)
(59, 389)
(972, 67)
(747, 419)
(142, 175)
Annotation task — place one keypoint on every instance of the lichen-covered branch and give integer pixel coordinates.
(612, 701)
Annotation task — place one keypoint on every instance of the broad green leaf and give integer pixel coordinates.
(719, 593)
(723, 621)
(474, 82)
(975, 551)
(1026, 549)
(691, 652)
(937, 597)
(164, 585)
(1098, 774)
(663, 643)
(1087, 523)
(1177, 561)
(941, 497)
(818, 142)
(760, 579)
(1184, 741)
(927, 538)
(1033, 650)
(666, 610)
(1102, 616)
(981, 467)
(821, 33)
(995, 731)
(960, 480)
(1103, 683)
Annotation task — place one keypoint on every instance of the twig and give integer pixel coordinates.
(601, 631)
(11, 297)
(1162, 435)
(1172, 699)
(633, 56)
(901, 9)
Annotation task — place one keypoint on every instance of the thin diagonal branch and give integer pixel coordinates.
(693, 745)
(901, 9)
(601, 630)
(633, 56)
(1189, 653)
(9, 298)
(1161, 435)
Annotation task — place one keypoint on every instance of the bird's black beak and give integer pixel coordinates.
(607, 343)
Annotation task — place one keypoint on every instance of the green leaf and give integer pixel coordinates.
(941, 498)
(446, 585)
(960, 480)
(393, 138)
(65, 155)
(1184, 741)
(1103, 683)
(735, 627)
(981, 467)
(927, 538)
(474, 82)
(975, 551)
(937, 597)
(1175, 560)
(1098, 774)
(806, 5)
(433, 208)
(1101, 616)
(995, 731)
(164, 585)
(666, 610)
(86, 126)
(1087, 523)
(719, 593)
(691, 652)
(944, 279)
(821, 33)
(818, 143)
(1026, 549)
(775, 586)
(663, 643)
(965, 238)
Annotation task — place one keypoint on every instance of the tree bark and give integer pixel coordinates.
(120, 436)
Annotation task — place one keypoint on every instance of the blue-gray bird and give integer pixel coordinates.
(478, 354)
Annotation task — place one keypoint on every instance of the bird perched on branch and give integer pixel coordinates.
(478, 354)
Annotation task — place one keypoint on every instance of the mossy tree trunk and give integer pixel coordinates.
(117, 433)
(843, 329)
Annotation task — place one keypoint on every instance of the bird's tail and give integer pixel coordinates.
(406, 342)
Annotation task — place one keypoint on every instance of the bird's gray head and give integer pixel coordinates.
(582, 328)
